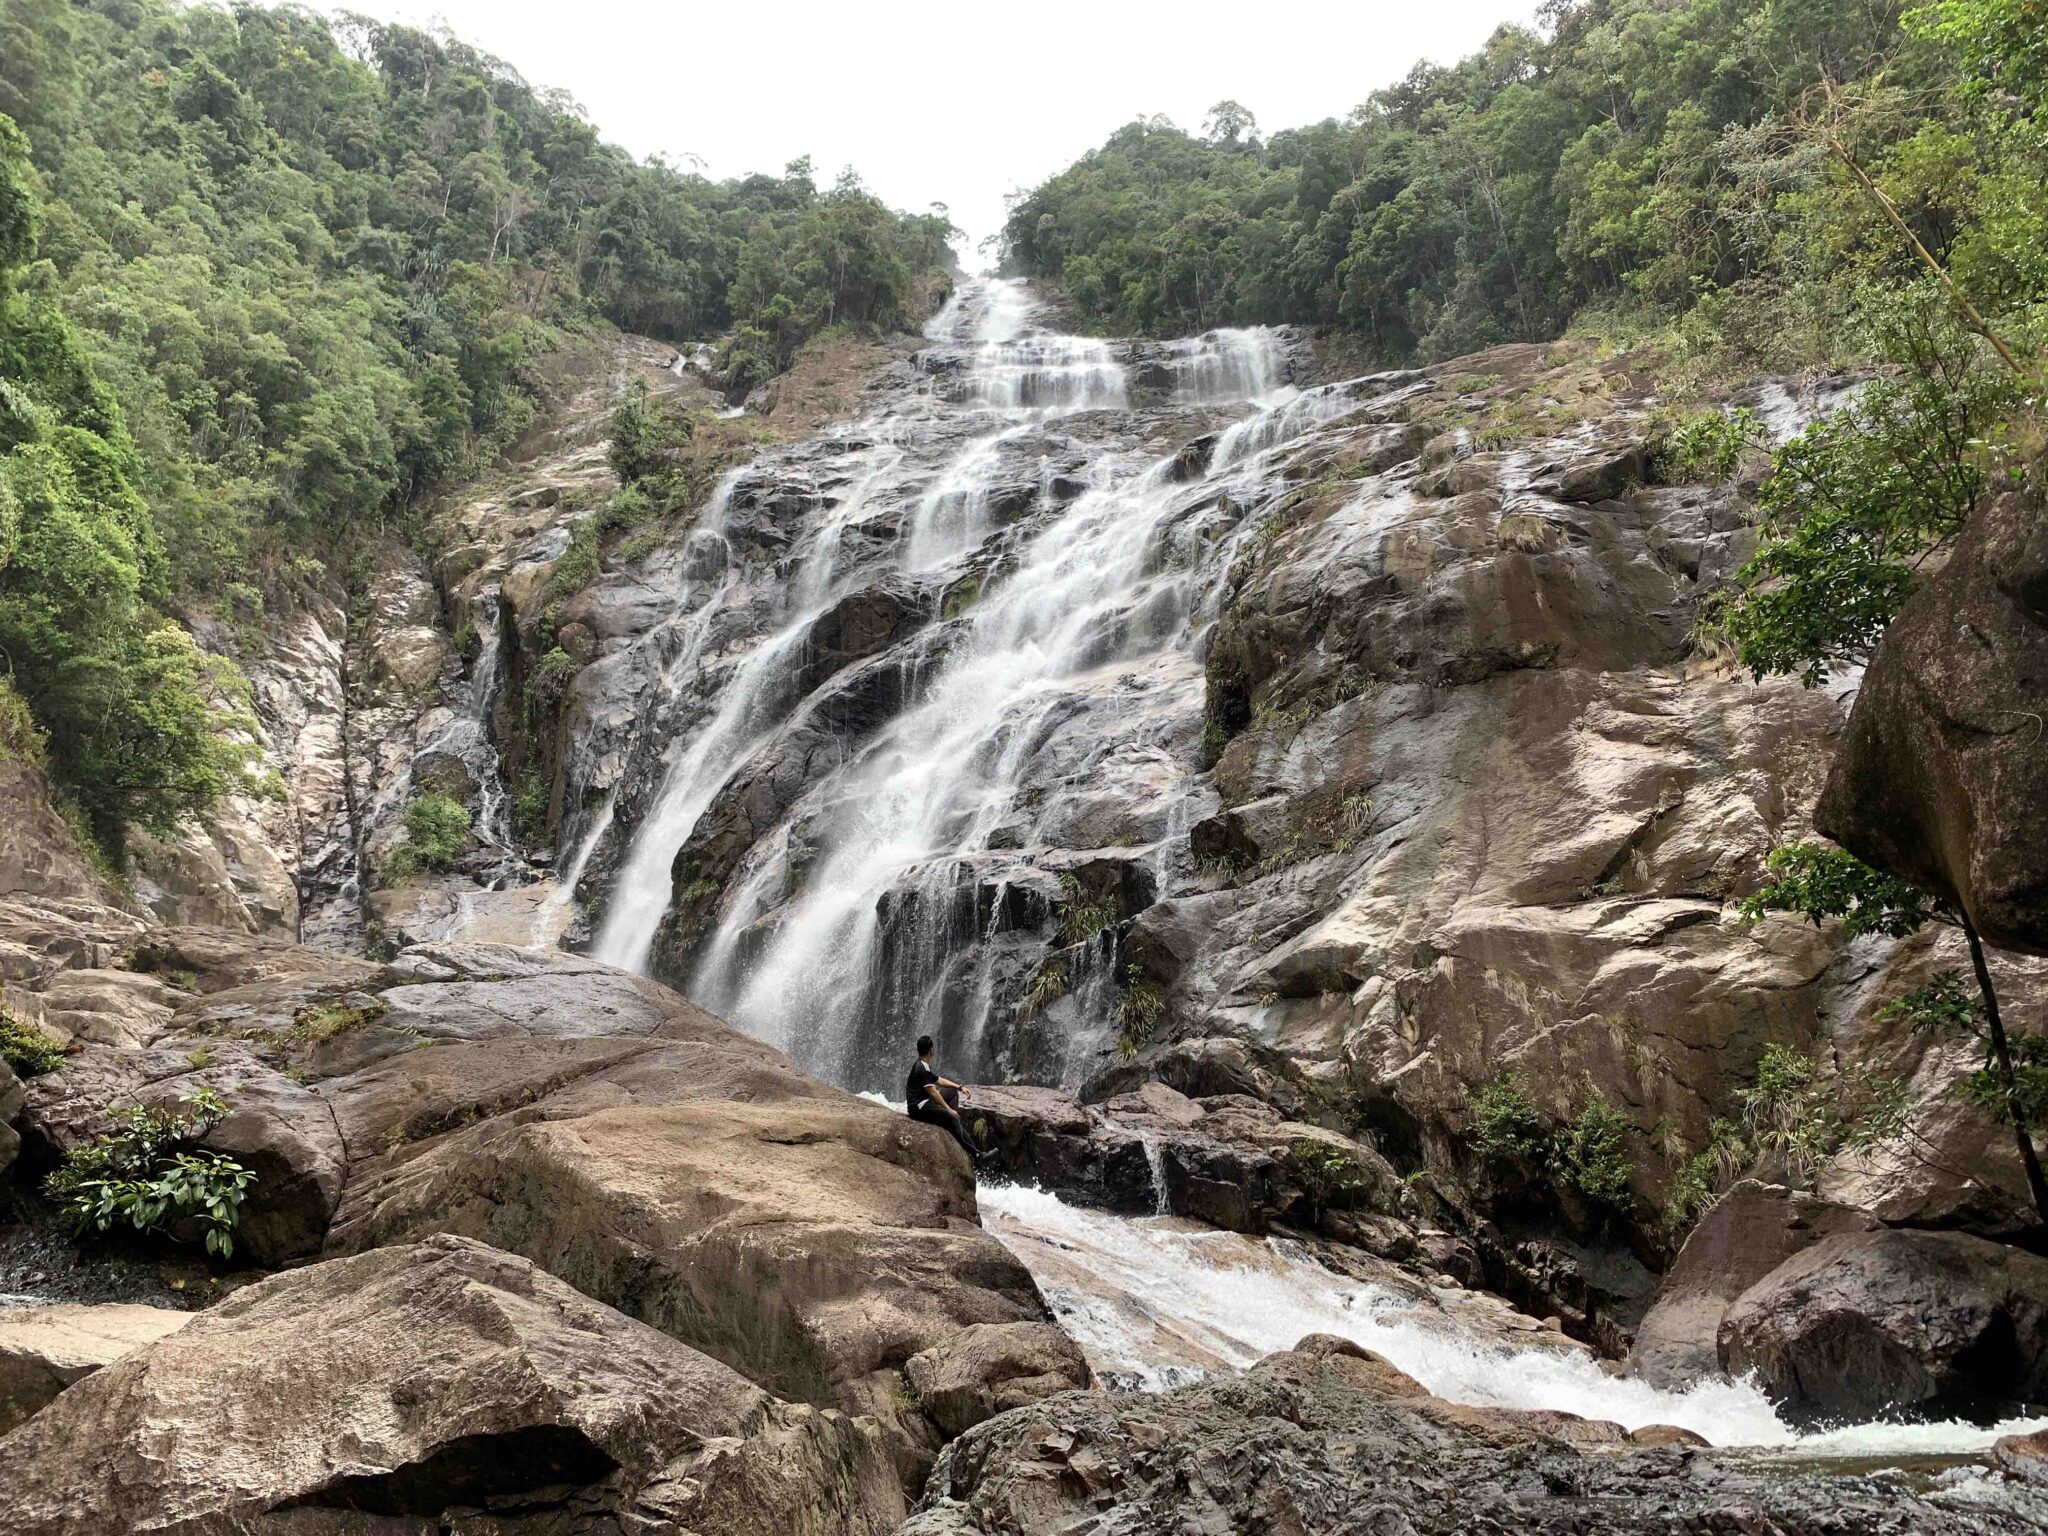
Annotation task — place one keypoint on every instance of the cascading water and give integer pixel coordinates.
(923, 814)
(1157, 1303)
(923, 822)
(892, 844)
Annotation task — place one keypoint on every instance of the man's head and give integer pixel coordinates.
(924, 1047)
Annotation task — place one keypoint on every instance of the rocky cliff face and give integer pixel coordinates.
(1083, 695)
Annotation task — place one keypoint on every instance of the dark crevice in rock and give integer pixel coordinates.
(538, 1464)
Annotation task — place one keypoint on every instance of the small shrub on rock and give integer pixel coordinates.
(1590, 1156)
(1082, 915)
(1505, 1124)
(27, 1049)
(149, 1173)
(1328, 1177)
(436, 832)
(1139, 1013)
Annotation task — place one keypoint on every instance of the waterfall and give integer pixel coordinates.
(899, 894)
(927, 671)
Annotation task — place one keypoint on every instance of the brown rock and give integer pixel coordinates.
(123, 1008)
(810, 1240)
(1301, 1444)
(1746, 1234)
(393, 1389)
(2026, 1455)
(411, 659)
(1942, 774)
(39, 853)
(43, 1350)
(1867, 1323)
(1652, 1436)
(991, 1368)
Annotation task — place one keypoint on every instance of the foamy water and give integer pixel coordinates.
(1153, 1301)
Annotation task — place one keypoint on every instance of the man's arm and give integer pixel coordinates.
(931, 1091)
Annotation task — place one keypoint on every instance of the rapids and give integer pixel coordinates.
(1158, 1302)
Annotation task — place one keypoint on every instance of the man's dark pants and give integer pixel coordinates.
(931, 1114)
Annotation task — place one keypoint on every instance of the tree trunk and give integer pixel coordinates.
(2001, 1056)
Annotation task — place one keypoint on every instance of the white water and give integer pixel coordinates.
(1090, 596)
(1159, 1302)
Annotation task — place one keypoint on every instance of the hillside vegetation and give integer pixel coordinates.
(1660, 157)
(312, 264)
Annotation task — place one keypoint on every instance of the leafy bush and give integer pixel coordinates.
(1082, 915)
(1701, 1178)
(20, 736)
(1799, 1119)
(26, 1048)
(1947, 1006)
(1709, 447)
(1793, 1119)
(1590, 1155)
(146, 1174)
(1819, 883)
(1048, 986)
(322, 1022)
(648, 435)
(436, 832)
(530, 805)
(1851, 510)
(577, 566)
(1505, 1124)
(553, 673)
(1139, 1013)
(437, 827)
(1328, 1177)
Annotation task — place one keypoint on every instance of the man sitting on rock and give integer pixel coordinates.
(935, 1099)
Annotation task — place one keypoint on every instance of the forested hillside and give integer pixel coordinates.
(312, 264)
(1641, 158)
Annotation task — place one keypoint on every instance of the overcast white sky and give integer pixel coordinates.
(953, 103)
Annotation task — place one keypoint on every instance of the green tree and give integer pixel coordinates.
(141, 726)
(1823, 884)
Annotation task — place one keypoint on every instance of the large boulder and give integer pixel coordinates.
(990, 1368)
(1329, 1440)
(815, 1242)
(43, 1350)
(1869, 1323)
(1749, 1232)
(597, 1124)
(1942, 774)
(437, 1382)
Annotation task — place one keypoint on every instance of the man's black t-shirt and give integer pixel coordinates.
(921, 1077)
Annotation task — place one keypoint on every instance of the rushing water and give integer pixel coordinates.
(905, 888)
(1099, 585)
(1158, 1302)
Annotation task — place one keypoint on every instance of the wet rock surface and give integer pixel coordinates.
(1229, 1159)
(1318, 1440)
